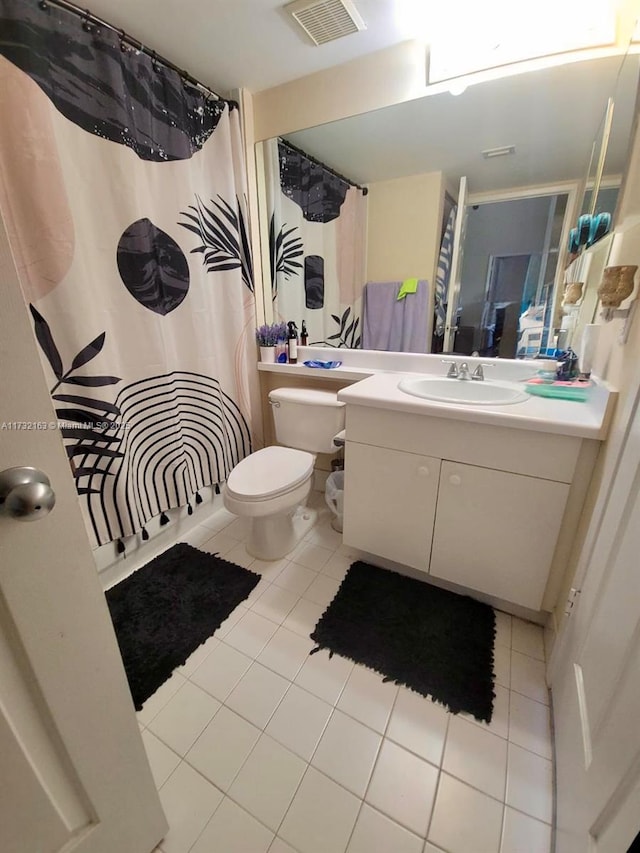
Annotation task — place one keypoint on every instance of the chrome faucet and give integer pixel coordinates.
(478, 373)
(453, 370)
(463, 371)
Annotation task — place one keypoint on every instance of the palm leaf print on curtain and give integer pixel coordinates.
(317, 244)
(112, 165)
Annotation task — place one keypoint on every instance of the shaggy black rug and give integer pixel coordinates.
(436, 642)
(166, 609)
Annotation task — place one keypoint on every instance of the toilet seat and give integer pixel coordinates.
(269, 473)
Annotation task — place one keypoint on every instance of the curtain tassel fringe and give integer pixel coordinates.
(164, 519)
(189, 509)
(120, 547)
(145, 534)
(217, 488)
(198, 498)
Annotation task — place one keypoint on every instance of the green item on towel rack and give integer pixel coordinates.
(409, 285)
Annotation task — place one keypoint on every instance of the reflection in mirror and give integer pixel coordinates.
(524, 140)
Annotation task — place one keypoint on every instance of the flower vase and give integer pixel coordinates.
(268, 354)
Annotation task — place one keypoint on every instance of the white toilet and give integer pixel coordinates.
(271, 486)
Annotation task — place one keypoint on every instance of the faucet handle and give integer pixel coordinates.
(453, 370)
(478, 373)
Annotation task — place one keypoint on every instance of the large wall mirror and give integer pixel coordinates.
(361, 215)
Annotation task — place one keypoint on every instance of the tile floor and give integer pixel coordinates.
(258, 748)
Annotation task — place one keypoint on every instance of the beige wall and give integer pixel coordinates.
(387, 77)
(405, 217)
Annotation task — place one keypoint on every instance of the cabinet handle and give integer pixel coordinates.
(455, 480)
(423, 471)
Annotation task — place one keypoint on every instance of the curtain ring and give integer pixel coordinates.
(44, 5)
(86, 22)
(154, 61)
(123, 44)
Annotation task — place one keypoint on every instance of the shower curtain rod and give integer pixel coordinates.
(89, 18)
(295, 148)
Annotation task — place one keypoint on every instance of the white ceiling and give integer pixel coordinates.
(244, 43)
(551, 116)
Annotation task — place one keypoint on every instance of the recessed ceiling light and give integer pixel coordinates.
(499, 152)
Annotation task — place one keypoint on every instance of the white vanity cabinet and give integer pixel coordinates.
(486, 508)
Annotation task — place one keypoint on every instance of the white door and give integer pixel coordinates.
(595, 675)
(73, 772)
(453, 297)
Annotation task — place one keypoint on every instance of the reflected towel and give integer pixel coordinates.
(394, 325)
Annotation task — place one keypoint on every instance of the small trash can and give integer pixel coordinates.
(334, 496)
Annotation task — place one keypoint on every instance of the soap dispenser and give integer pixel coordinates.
(292, 343)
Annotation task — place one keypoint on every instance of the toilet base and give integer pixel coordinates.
(274, 536)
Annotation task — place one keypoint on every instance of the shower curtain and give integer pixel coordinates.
(123, 195)
(317, 232)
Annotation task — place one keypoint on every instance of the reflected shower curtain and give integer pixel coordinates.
(317, 230)
(123, 195)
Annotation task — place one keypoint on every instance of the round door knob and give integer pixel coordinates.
(455, 480)
(423, 471)
(25, 494)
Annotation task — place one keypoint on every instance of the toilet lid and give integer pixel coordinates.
(269, 472)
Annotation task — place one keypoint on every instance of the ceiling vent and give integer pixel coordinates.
(326, 20)
(504, 151)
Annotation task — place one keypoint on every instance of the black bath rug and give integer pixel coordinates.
(436, 642)
(166, 609)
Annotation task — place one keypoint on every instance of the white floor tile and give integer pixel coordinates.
(257, 694)
(529, 783)
(528, 677)
(503, 629)
(502, 665)
(311, 556)
(304, 617)
(299, 721)
(268, 781)
(375, 832)
(220, 543)
(162, 760)
(184, 717)
(322, 590)
(403, 787)
(477, 757)
(219, 673)
(251, 634)
(156, 703)
(368, 698)
(324, 676)
(295, 578)
(524, 834)
(323, 534)
(321, 816)
(233, 830)
(431, 848)
(196, 658)
(240, 556)
(257, 592)
(219, 520)
(347, 752)
(239, 528)
(188, 801)
(529, 725)
(223, 747)
(419, 725)
(286, 652)
(280, 846)
(269, 569)
(337, 566)
(528, 639)
(232, 619)
(499, 724)
(275, 603)
(465, 819)
(197, 536)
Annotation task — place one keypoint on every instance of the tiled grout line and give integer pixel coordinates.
(335, 552)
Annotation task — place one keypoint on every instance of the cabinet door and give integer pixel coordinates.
(496, 532)
(389, 503)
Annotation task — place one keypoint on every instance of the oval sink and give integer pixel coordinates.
(462, 392)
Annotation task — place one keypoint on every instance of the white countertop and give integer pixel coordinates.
(588, 419)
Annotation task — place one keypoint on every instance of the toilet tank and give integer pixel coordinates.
(306, 418)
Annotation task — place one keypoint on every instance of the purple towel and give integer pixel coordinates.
(392, 325)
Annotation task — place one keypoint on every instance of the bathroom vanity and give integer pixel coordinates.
(485, 498)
